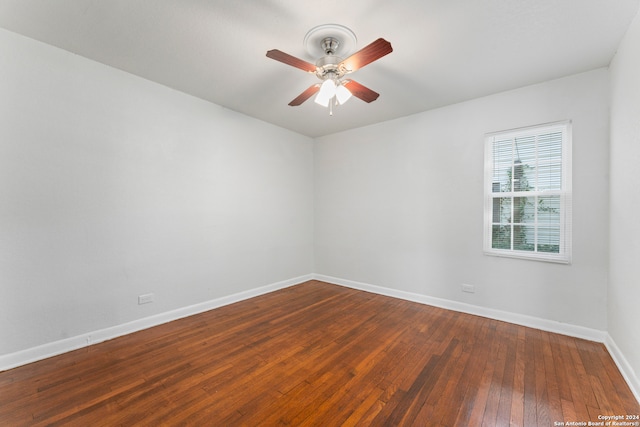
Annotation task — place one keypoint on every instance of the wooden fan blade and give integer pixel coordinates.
(359, 91)
(305, 95)
(367, 55)
(285, 58)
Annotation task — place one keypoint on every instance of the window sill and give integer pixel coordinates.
(558, 259)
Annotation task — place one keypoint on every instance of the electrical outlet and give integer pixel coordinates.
(145, 299)
(468, 288)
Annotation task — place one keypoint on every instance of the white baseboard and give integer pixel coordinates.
(519, 319)
(623, 366)
(55, 348)
(505, 316)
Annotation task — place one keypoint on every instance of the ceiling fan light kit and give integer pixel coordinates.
(329, 43)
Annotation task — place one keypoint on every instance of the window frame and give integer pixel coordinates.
(564, 193)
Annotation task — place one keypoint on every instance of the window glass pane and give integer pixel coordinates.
(502, 163)
(523, 237)
(549, 210)
(524, 169)
(525, 148)
(502, 210)
(526, 175)
(550, 147)
(501, 237)
(549, 239)
(550, 176)
(523, 210)
(522, 174)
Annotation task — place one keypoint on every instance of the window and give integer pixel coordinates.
(528, 193)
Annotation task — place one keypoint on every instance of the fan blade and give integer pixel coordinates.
(279, 55)
(367, 55)
(359, 91)
(311, 90)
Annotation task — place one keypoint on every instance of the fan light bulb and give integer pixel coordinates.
(326, 93)
(342, 94)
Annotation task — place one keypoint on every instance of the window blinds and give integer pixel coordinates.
(528, 193)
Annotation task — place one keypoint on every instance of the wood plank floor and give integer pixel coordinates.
(320, 354)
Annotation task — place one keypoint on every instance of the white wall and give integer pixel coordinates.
(624, 286)
(112, 186)
(400, 204)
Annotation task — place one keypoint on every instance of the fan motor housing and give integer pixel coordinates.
(328, 66)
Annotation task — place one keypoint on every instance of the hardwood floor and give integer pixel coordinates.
(319, 354)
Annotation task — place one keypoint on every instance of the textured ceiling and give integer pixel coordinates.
(444, 51)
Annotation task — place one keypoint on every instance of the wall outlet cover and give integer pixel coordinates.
(468, 288)
(145, 299)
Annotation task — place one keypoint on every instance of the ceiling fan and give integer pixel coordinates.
(329, 42)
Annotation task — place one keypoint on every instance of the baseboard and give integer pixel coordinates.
(505, 316)
(623, 366)
(55, 348)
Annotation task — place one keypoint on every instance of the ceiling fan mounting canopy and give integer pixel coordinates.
(314, 41)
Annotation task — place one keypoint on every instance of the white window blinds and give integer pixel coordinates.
(528, 193)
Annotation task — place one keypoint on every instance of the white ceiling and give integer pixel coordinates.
(445, 51)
